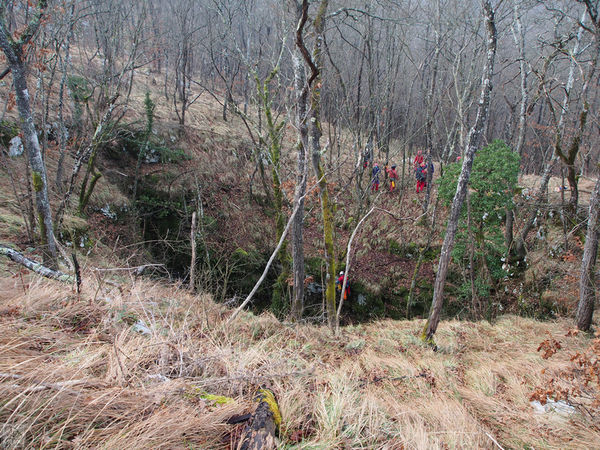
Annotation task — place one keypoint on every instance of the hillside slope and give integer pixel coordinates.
(127, 366)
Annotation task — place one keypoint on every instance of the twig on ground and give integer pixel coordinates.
(493, 440)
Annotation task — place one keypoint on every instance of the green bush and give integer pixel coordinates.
(363, 303)
(491, 189)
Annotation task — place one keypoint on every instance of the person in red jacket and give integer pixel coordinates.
(418, 159)
(393, 177)
(340, 282)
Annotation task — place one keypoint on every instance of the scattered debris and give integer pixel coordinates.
(559, 407)
(141, 327)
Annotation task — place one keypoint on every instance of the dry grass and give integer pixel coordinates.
(75, 374)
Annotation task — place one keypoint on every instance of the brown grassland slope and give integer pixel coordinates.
(129, 366)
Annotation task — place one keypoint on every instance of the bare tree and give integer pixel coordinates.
(473, 142)
(587, 285)
(559, 124)
(15, 51)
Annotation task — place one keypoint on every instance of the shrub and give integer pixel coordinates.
(480, 242)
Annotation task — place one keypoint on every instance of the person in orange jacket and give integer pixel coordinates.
(393, 177)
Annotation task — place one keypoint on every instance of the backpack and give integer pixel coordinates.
(419, 174)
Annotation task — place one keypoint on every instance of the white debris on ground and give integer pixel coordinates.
(141, 327)
(559, 407)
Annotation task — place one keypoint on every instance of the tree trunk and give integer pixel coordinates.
(63, 83)
(587, 286)
(508, 230)
(35, 266)
(314, 139)
(16, 60)
(519, 37)
(348, 260)
(280, 295)
(297, 227)
(574, 197)
(473, 142)
(316, 65)
(193, 258)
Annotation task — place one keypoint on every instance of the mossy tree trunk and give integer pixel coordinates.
(263, 428)
(14, 50)
(316, 63)
(87, 186)
(272, 141)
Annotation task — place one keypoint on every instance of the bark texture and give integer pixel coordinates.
(587, 285)
(261, 432)
(297, 227)
(14, 52)
(473, 143)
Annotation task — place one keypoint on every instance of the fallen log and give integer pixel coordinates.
(261, 431)
(35, 266)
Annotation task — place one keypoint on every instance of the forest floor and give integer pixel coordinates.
(130, 364)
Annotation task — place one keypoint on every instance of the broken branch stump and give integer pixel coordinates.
(261, 431)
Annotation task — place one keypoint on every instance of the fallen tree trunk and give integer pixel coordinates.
(35, 266)
(260, 433)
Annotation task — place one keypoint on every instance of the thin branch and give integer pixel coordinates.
(348, 251)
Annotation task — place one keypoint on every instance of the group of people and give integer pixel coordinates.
(420, 167)
(391, 173)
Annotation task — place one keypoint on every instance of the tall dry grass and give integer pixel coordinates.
(75, 373)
